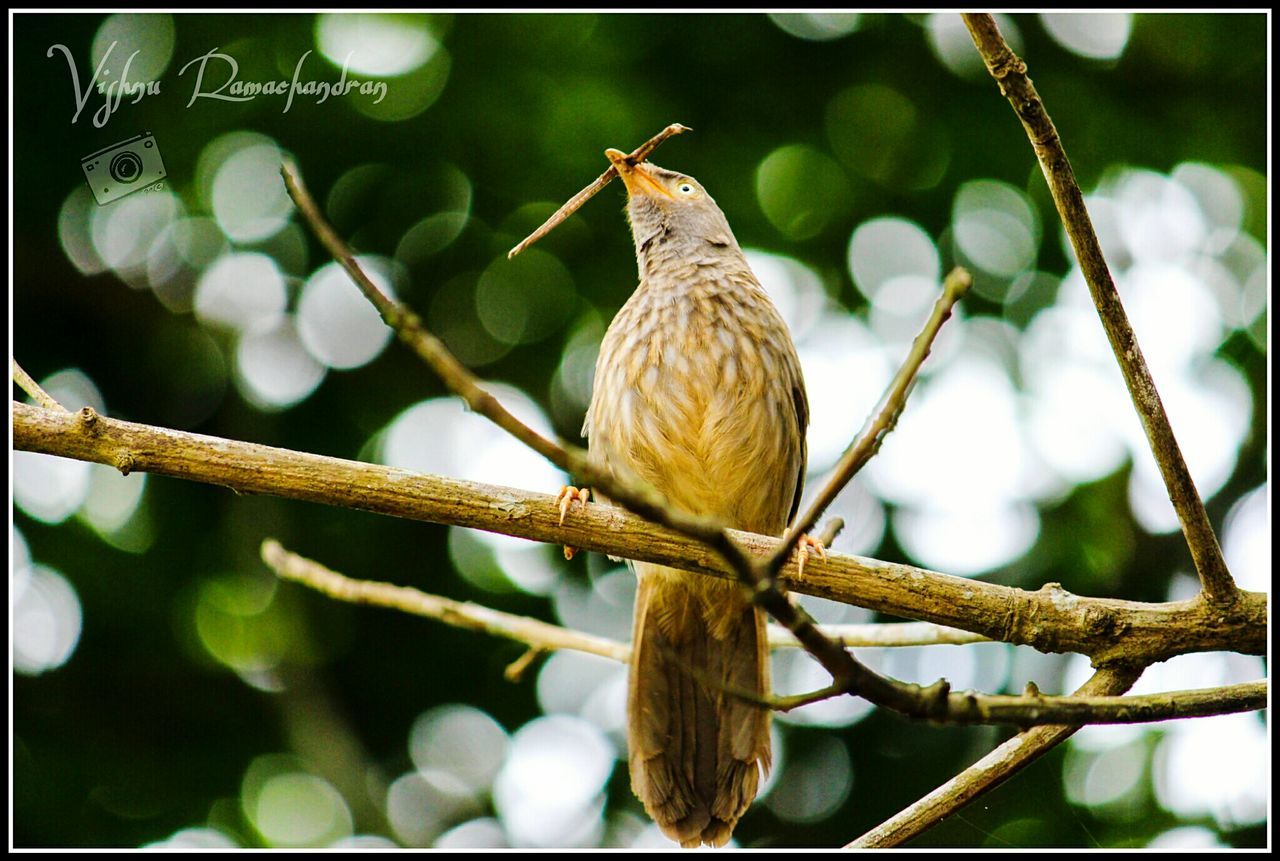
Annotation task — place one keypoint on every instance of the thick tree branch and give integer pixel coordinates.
(1050, 619)
(1011, 73)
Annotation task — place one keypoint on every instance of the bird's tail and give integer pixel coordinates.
(697, 750)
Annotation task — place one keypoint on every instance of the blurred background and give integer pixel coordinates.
(167, 690)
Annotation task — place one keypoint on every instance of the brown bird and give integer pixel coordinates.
(698, 392)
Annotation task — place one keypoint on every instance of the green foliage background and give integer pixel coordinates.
(142, 733)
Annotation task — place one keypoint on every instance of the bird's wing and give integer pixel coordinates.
(801, 402)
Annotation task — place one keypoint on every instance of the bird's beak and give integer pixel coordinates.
(636, 178)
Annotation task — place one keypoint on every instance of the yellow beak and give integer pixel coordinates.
(635, 177)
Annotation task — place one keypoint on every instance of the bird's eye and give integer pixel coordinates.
(686, 188)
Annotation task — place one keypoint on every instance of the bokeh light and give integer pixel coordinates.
(243, 291)
(1217, 766)
(241, 625)
(238, 179)
(136, 48)
(816, 26)
(441, 436)
(801, 190)
(48, 488)
(74, 220)
(1108, 779)
(1096, 35)
(422, 806)
(195, 838)
(338, 325)
(460, 740)
(903, 149)
(46, 619)
(291, 808)
(952, 45)
(524, 299)
(376, 45)
(1246, 541)
(549, 791)
(274, 369)
(815, 781)
(840, 355)
(112, 508)
(996, 228)
(1188, 837)
(884, 250)
(483, 833)
(124, 233)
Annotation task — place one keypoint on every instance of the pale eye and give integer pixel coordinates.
(686, 188)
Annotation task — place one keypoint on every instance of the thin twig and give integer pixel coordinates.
(571, 206)
(516, 669)
(475, 617)
(882, 421)
(884, 634)
(832, 528)
(1037, 709)
(989, 772)
(1011, 73)
(32, 388)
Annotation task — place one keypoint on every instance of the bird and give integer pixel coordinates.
(698, 391)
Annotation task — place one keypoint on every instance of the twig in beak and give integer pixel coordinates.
(641, 153)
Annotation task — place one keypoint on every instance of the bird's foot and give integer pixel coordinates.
(567, 495)
(804, 545)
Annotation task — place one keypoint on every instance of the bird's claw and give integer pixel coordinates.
(567, 495)
(803, 545)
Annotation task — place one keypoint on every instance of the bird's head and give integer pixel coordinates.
(670, 212)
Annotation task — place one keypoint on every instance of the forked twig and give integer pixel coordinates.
(571, 206)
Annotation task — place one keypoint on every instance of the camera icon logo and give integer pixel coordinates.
(123, 168)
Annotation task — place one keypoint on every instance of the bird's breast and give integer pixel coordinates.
(694, 391)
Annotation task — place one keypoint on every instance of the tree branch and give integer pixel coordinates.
(1049, 619)
(884, 634)
(32, 388)
(540, 636)
(460, 614)
(989, 772)
(868, 441)
(1029, 709)
(1011, 73)
(571, 206)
